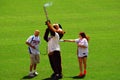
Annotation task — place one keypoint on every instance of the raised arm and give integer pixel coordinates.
(50, 26)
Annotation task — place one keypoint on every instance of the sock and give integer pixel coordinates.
(30, 72)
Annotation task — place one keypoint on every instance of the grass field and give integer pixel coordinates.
(100, 19)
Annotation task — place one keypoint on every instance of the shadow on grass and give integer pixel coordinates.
(47, 78)
(74, 77)
(78, 77)
(28, 77)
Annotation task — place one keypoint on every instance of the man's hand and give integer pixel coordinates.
(33, 47)
(30, 45)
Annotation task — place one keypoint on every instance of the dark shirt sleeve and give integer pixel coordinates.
(46, 35)
(52, 33)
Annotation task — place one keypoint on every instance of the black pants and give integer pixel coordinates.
(55, 62)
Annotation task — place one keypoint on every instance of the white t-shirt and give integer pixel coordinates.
(53, 43)
(34, 41)
(82, 51)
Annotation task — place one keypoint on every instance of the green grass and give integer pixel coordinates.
(100, 19)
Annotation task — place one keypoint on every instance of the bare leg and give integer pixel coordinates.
(80, 64)
(31, 66)
(35, 65)
(85, 64)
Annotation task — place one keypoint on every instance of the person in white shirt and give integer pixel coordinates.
(33, 47)
(82, 51)
(56, 33)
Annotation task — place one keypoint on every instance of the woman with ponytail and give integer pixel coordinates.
(82, 52)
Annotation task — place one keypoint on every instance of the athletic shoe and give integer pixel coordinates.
(80, 75)
(53, 75)
(57, 77)
(31, 75)
(60, 76)
(35, 73)
(85, 72)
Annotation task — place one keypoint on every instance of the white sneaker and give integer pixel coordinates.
(36, 73)
(31, 75)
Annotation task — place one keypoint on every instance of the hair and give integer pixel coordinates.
(61, 35)
(60, 26)
(83, 35)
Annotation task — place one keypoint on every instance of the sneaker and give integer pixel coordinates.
(35, 73)
(53, 75)
(31, 74)
(57, 77)
(80, 75)
(85, 72)
(60, 76)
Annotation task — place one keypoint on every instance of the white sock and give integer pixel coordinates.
(31, 72)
